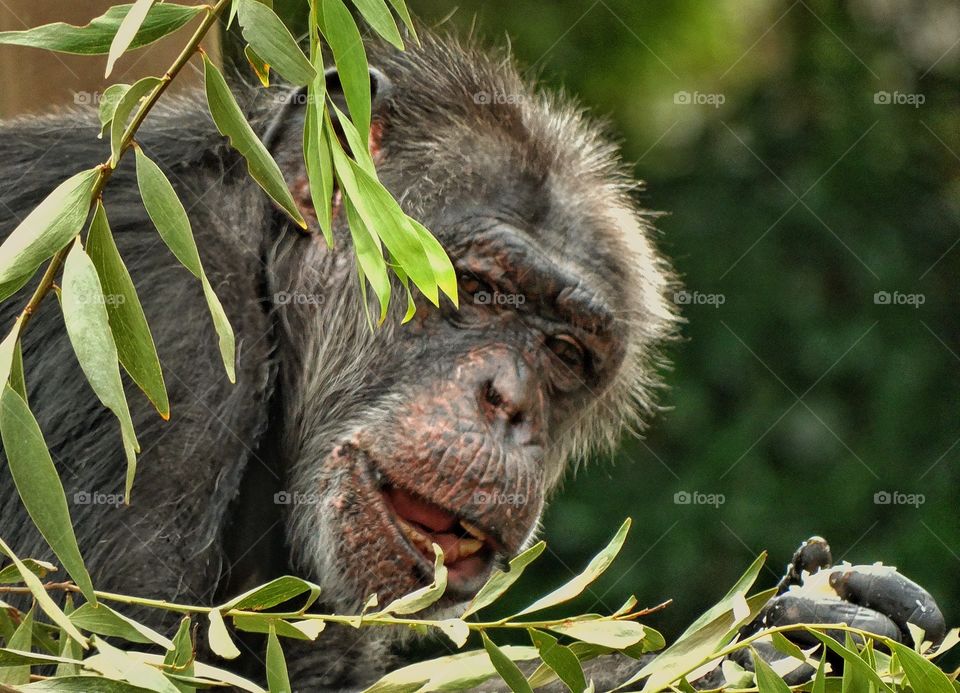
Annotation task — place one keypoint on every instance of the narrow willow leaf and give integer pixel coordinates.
(852, 661)
(220, 641)
(411, 305)
(108, 104)
(594, 569)
(507, 669)
(260, 68)
(380, 19)
(311, 627)
(130, 667)
(39, 487)
(443, 270)
(88, 327)
(500, 582)
(425, 596)
(8, 350)
(173, 224)
(213, 674)
(456, 629)
(231, 123)
(343, 37)
(401, 9)
(458, 672)
(44, 601)
(48, 228)
(767, 679)
(68, 647)
(10, 575)
(820, 680)
(83, 684)
(128, 103)
(22, 639)
(96, 37)
(103, 620)
(560, 659)
(262, 623)
(271, 594)
(272, 41)
(180, 658)
(135, 346)
(9, 288)
(127, 32)
(615, 634)
(277, 679)
(316, 148)
(923, 674)
(786, 647)
(370, 260)
(18, 380)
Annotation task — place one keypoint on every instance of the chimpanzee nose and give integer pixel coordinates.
(509, 403)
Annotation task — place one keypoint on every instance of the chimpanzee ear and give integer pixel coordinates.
(380, 88)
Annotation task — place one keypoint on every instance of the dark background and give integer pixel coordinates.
(800, 397)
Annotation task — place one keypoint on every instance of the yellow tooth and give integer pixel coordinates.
(414, 535)
(474, 530)
(468, 547)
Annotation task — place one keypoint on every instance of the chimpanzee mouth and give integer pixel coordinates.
(468, 550)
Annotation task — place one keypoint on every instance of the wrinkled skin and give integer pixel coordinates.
(343, 452)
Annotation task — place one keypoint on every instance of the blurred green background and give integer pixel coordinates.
(808, 155)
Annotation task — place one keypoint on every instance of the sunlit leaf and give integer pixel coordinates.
(131, 668)
(128, 103)
(211, 673)
(135, 346)
(273, 593)
(343, 37)
(10, 575)
(39, 487)
(316, 150)
(594, 569)
(369, 258)
(455, 629)
(380, 19)
(277, 679)
(767, 679)
(103, 620)
(180, 658)
(425, 596)
(218, 635)
(461, 671)
(401, 9)
(48, 228)
(560, 659)
(507, 669)
(615, 634)
(88, 327)
(68, 647)
(96, 37)
(128, 30)
(22, 639)
(84, 684)
(272, 41)
(923, 674)
(231, 123)
(260, 67)
(852, 661)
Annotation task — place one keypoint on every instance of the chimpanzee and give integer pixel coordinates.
(343, 452)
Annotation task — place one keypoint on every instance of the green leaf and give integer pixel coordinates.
(84, 684)
(173, 224)
(10, 575)
(345, 42)
(22, 639)
(180, 658)
(39, 487)
(316, 149)
(786, 647)
(9, 288)
(103, 620)
(43, 599)
(88, 327)
(852, 661)
(500, 582)
(277, 679)
(48, 228)
(261, 623)
(129, 27)
(560, 659)
(8, 350)
(923, 674)
(129, 667)
(767, 679)
(205, 671)
(271, 594)
(508, 671)
(425, 596)
(231, 123)
(457, 672)
(369, 254)
(68, 648)
(401, 9)
(820, 680)
(218, 635)
(260, 68)
(379, 18)
(615, 634)
(135, 346)
(594, 569)
(108, 104)
(18, 379)
(456, 629)
(128, 103)
(272, 41)
(741, 587)
(96, 37)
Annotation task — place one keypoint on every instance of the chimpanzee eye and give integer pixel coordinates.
(568, 350)
(474, 290)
